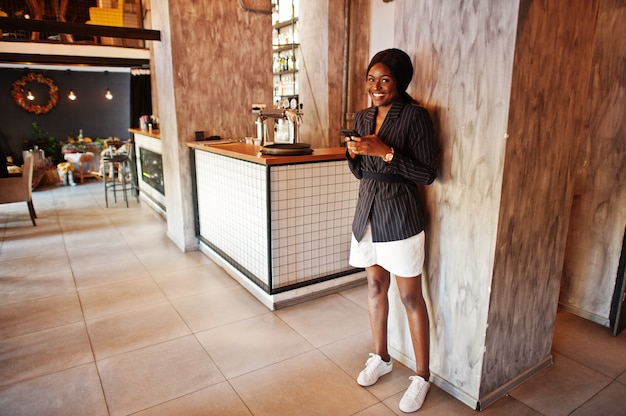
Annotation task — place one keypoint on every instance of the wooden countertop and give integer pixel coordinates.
(154, 133)
(251, 153)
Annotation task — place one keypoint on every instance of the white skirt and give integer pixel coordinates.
(403, 258)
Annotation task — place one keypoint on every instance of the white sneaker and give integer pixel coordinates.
(414, 396)
(374, 368)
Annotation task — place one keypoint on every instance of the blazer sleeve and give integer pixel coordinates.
(416, 158)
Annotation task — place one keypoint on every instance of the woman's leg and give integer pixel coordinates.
(410, 290)
(378, 307)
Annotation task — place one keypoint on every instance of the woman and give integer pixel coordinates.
(395, 149)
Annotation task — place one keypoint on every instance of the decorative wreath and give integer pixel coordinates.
(18, 93)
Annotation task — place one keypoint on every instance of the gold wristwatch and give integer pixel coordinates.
(389, 156)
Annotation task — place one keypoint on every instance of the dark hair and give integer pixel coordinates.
(399, 63)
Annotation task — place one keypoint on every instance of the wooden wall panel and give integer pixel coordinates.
(222, 64)
(359, 58)
(550, 81)
(314, 64)
(323, 34)
(599, 211)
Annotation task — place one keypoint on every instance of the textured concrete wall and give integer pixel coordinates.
(548, 77)
(463, 58)
(214, 60)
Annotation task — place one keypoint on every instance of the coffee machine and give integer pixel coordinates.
(284, 126)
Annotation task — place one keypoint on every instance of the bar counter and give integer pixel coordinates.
(280, 225)
(250, 153)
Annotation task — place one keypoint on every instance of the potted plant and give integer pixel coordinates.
(48, 144)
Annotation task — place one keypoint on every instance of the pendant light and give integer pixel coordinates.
(108, 94)
(71, 95)
(29, 95)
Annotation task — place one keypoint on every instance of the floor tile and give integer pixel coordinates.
(437, 403)
(42, 243)
(95, 275)
(90, 220)
(43, 352)
(36, 265)
(218, 307)
(351, 353)
(73, 392)
(378, 409)
(93, 243)
(248, 345)
(153, 227)
(127, 331)
(151, 242)
(559, 390)
(107, 284)
(358, 295)
(150, 376)
(217, 400)
(581, 340)
(325, 320)
(36, 315)
(111, 248)
(193, 281)
(508, 406)
(120, 297)
(172, 261)
(16, 217)
(23, 285)
(309, 384)
(611, 401)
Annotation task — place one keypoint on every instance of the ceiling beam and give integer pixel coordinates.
(25, 59)
(79, 29)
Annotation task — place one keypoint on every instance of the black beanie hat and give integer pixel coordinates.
(398, 63)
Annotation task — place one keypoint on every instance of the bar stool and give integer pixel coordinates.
(123, 165)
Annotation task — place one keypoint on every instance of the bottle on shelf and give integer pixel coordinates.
(285, 65)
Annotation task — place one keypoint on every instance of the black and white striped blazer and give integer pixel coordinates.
(394, 208)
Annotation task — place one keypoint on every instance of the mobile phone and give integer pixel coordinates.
(349, 133)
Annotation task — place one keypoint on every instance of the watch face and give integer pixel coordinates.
(293, 104)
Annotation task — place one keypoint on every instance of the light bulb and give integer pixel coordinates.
(108, 95)
(30, 96)
(72, 96)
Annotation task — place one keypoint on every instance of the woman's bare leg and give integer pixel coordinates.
(413, 300)
(378, 307)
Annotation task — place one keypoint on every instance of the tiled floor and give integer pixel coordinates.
(100, 314)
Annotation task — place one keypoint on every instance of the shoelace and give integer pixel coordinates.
(413, 391)
(370, 367)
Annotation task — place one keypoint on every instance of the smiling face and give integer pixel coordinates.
(381, 86)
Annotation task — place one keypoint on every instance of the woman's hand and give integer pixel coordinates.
(367, 145)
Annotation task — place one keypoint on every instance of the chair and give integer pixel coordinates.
(81, 159)
(19, 189)
(107, 16)
(119, 162)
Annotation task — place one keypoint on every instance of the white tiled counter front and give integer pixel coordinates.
(282, 230)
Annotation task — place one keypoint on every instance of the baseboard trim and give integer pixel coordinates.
(604, 321)
(506, 388)
(466, 398)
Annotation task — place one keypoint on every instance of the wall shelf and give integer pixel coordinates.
(285, 49)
